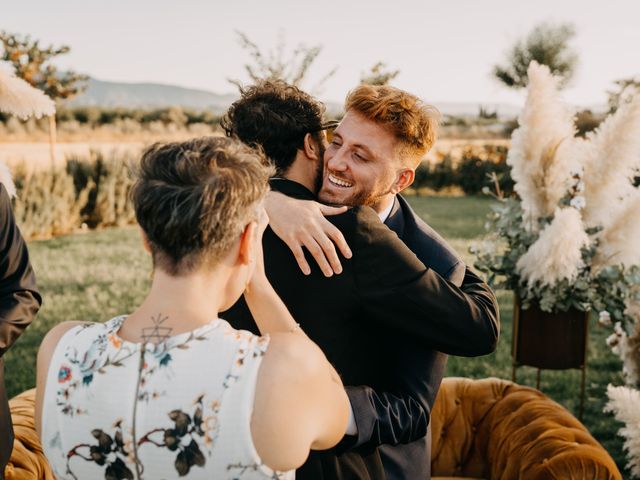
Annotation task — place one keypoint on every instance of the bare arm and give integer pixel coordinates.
(301, 223)
(300, 404)
(269, 312)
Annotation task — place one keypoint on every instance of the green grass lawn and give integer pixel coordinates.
(97, 275)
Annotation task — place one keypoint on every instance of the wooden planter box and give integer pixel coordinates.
(550, 341)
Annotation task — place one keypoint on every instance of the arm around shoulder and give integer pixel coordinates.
(399, 291)
(300, 403)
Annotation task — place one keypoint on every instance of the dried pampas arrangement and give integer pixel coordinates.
(573, 235)
(19, 98)
(624, 402)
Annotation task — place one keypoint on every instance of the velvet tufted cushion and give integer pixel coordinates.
(497, 430)
(484, 429)
(27, 461)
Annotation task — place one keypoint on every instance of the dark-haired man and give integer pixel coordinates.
(384, 321)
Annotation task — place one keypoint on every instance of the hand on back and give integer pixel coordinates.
(302, 223)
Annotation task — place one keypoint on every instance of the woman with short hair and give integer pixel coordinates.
(171, 389)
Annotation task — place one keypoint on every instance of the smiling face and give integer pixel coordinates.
(363, 165)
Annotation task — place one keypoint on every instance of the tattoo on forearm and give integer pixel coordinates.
(157, 333)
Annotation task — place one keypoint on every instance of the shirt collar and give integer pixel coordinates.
(291, 188)
(387, 211)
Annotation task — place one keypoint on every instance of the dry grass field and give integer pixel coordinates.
(35, 155)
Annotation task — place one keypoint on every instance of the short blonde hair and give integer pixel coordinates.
(413, 122)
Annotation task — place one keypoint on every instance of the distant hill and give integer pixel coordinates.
(470, 109)
(149, 95)
(456, 109)
(101, 93)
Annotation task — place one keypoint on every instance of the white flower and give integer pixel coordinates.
(578, 202)
(580, 186)
(612, 340)
(604, 318)
(618, 340)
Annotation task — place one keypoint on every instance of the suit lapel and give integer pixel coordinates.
(395, 220)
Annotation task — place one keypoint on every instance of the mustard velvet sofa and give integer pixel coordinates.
(488, 429)
(497, 430)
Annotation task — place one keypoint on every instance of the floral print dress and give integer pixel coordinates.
(114, 409)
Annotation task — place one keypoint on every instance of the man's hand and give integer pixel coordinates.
(301, 223)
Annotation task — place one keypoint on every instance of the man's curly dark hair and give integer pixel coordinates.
(276, 116)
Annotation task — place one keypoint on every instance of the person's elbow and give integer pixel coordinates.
(484, 336)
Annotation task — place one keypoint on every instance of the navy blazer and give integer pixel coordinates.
(382, 323)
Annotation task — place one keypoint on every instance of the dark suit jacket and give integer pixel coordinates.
(382, 323)
(19, 302)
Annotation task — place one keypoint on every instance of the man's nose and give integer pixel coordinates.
(337, 161)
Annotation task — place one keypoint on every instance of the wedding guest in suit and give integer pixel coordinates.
(402, 298)
(171, 390)
(19, 297)
(19, 303)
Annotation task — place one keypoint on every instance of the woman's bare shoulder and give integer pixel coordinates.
(284, 402)
(52, 338)
(54, 335)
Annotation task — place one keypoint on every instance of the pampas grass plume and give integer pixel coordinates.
(19, 98)
(620, 239)
(557, 253)
(540, 157)
(612, 163)
(624, 402)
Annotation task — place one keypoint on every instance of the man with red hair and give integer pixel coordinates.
(402, 296)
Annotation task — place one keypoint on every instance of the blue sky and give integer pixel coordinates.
(444, 49)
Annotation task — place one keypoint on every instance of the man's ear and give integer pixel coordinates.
(405, 178)
(247, 239)
(311, 147)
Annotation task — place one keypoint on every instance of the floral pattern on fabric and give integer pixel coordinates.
(186, 436)
(188, 439)
(108, 451)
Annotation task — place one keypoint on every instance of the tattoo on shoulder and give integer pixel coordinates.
(157, 333)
